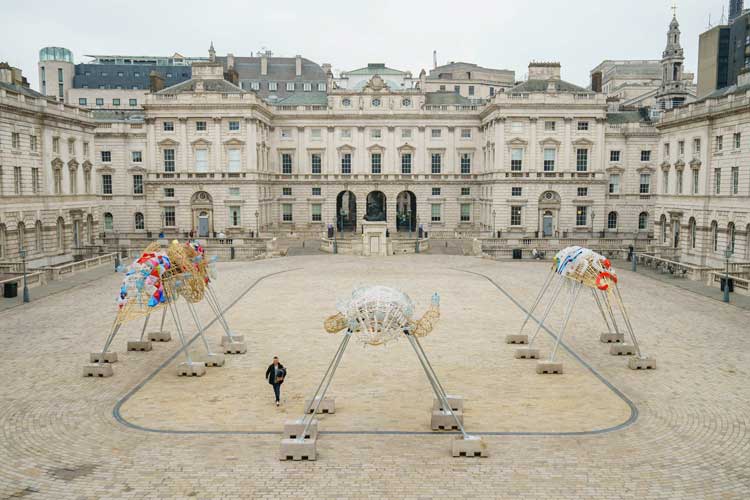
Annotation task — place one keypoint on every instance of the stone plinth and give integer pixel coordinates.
(191, 369)
(373, 238)
(293, 429)
(103, 357)
(235, 348)
(516, 339)
(226, 339)
(621, 350)
(549, 368)
(139, 345)
(162, 336)
(456, 403)
(444, 421)
(292, 449)
(213, 359)
(328, 405)
(645, 363)
(97, 370)
(527, 353)
(471, 446)
(612, 338)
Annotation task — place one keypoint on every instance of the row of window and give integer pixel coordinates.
(376, 133)
(83, 101)
(136, 74)
(22, 242)
(36, 181)
(16, 142)
(202, 126)
(550, 158)
(290, 86)
(582, 216)
(719, 141)
(376, 163)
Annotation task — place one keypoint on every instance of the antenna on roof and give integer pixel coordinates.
(434, 59)
(709, 21)
(723, 16)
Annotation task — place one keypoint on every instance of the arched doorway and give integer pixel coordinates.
(406, 211)
(201, 205)
(346, 211)
(376, 209)
(547, 224)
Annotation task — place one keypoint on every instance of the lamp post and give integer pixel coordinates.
(494, 216)
(727, 255)
(416, 239)
(257, 224)
(335, 230)
(22, 253)
(593, 227)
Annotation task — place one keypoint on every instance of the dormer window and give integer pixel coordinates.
(290, 86)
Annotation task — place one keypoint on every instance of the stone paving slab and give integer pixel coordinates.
(59, 439)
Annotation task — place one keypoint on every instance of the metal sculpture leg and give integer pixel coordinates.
(213, 302)
(307, 418)
(435, 383)
(609, 309)
(626, 319)
(574, 290)
(178, 326)
(547, 310)
(197, 321)
(438, 385)
(108, 342)
(537, 300)
(598, 301)
(145, 324)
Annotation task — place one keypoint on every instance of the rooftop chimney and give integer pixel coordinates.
(230, 61)
(544, 70)
(298, 65)
(264, 64)
(156, 81)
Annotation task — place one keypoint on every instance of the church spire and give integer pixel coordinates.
(212, 52)
(672, 91)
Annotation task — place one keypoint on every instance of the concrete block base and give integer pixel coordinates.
(293, 429)
(516, 339)
(456, 403)
(97, 370)
(160, 336)
(621, 350)
(291, 449)
(226, 339)
(213, 359)
(139, 345)
(473, 446)
(527, 353)
(549, 368)
(612, 338)
(636, 363)
(443, 421)
(103, 357)
(194, 369)
(235, 348)
(328, 405)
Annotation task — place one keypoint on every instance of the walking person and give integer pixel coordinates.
(275, 374)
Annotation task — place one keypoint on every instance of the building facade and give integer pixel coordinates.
(49, 204)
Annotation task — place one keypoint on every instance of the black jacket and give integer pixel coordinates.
(270, 371)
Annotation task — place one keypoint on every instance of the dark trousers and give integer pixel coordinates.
(277, 391)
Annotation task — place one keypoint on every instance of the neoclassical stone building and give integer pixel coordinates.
(48, 198)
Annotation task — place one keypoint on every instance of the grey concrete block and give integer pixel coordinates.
(549, 367)
(292, 449)
(160, 336)
(516, 339)
(235, 348)
(645, 363)
(526, 353)
(103, 357)
(444, 421)
(139, 345)
(456, 403)
(621, 350)
(97, 370)
(193, 369)
(612, 338)
(328, 405)
(226, 339)
(213, 359)
(293, 429)
(473, 446)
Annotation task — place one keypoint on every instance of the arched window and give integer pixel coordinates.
(21, 231)
(612, 220)
(2, 241)
(60, 233)
(643, 221)
(715, 236)
(39, 236)
(663, 224)
(139, 224)
(693, 232)
(108, 221)
(730, 236)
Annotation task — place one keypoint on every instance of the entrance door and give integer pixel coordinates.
(406, 211)
(547, 224)
(203, 224)
(346, 211)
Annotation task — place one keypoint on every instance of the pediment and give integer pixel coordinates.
(406, 147)
(346, 147)
(234, 142)
(615, 169)
(646, 169)
(105, 168)
(168, 142)
(517, 141)
(200, 142)
(550, 140)
(376, 147)
(139, 170)
(583, 142)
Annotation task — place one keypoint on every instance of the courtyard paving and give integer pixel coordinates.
(598, 431)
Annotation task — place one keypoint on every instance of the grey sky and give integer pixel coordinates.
(349, 34)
